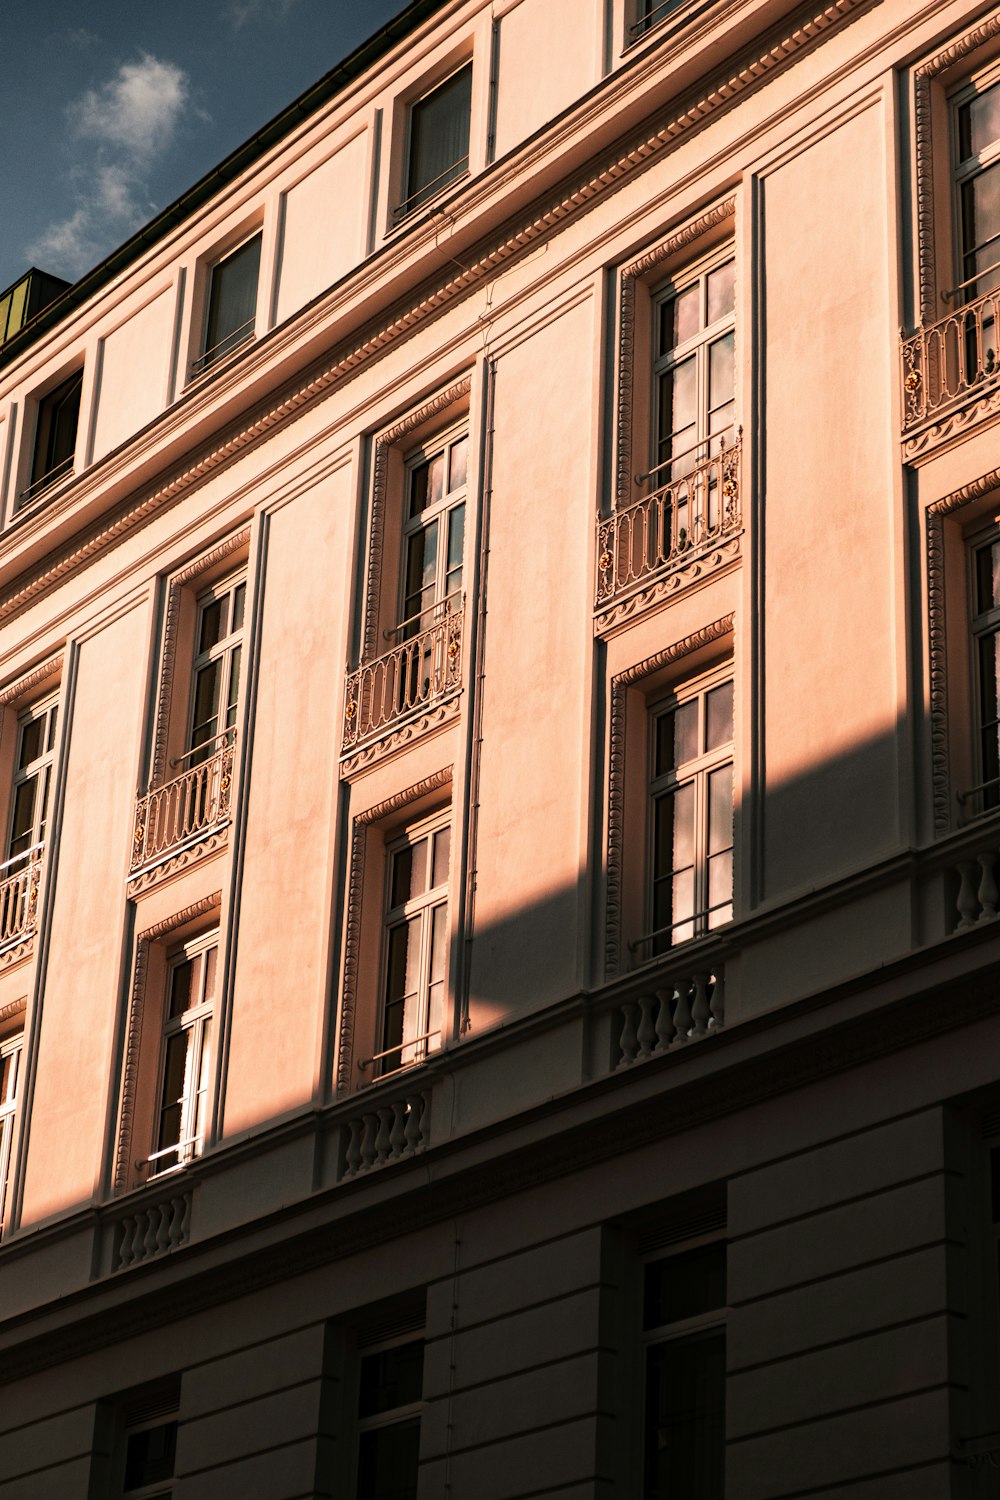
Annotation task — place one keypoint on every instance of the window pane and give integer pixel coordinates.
(679, 402)
(149, 1456)
(213, 624)
(721, 291)
(442, 856)
(989, 703)
(211, 970)
(31, 742)
(719, 717)
(979, 123)
(720, 888)
(388, 1459)
(720, 809)
(720, 372)
(391, 1378)
(988, 578)
(206, 703)
(981, 226)
(409, 872)
(23, 817)
(421, 570)
(456, 546)
(172, 1100)
(439, 137)
(685, 1418)
(233, 695)
(239, 604)
(53, 715)
(685, 1285)
(8, 1076)
(427, 484)
(182, 988)
(680, 318)
(402, 980)
(459, 463)
(233, 300)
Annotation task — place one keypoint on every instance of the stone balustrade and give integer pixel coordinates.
(151, 1230)
(386, 1132)
(682, 1008)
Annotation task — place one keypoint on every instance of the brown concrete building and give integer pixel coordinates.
(500, 771)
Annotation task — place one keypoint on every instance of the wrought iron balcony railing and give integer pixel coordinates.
(946, 360)
(418, 672)
(182, 811)
(19, 881)
(664, 529)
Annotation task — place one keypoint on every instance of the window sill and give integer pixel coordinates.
(32, 504)
(402, 218)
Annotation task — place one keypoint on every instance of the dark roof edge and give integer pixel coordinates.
(237, 161)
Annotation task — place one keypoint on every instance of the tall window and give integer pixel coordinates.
(684, 1300)
(434, 533)
(216, 668)
(150, 1454)
(232, 302)
(416, 946)
(691, 812)
(186, 1066)
(693, 371)
(390, 1382)
(10, 1083)
(36, 742)
(977, 179)
(437, 150)
(986, 638)
(57, 420)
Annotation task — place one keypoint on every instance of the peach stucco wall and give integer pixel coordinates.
(323, 230)
(134, 368)
(280, 987)
(76, 1063)
(566, 33)
(829, 698)
(538, 640)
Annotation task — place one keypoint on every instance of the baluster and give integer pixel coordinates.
(149, 1242)
(699, 1009)
(368, 1141)
(628, 1042)
(665, 1028)
(164, 1217)
(397, 1135)
(717, 1000)
(126, 1252)
(415, 1138)
(988, 892)
(352, 1156)
(184, 1224)
(682, 1013)
(968, 899)
(646, 1034)
(384, 1134)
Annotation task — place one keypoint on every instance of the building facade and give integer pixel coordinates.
(500, 772)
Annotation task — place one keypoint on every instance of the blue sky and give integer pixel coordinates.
(111, 110)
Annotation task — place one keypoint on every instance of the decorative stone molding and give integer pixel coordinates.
(183, 860)
(137, 1005)
(16, 691)
(717, 631)
(953, 425)
(751, 71)
(11, 957)
(168, 669)
(938, 641)
(923, 81)
(441, 715)
(355, 893)
(380, 468)
(663, 588)
(14, 1009)
(674, 244)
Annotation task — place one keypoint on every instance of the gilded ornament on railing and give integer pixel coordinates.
(666, 528)
(950, 359)
(416, 673)
(186, 809)
(912, 380)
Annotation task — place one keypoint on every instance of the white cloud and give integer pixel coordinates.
(240, 12)
(137, 110)
(118, 131)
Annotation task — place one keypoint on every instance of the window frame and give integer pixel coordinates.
(965, 170)
(224, 649)
(46, 709)
(697, 772)
(195, 1104)
(38, 482)
(210, 356)
(437, 512)
(392, 1417)
(10, 1046)
(422, 908)
(697, 346)
(704, 1323)
(412, 199)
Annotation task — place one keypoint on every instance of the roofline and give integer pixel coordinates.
(328, 87)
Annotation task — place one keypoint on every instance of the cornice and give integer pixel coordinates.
(628, 1125)
(755, 67)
